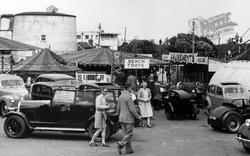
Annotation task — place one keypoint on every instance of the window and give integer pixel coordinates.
(45, 91)
(212, 89)
(78, 36)
(86, 37)
(219, 91)
(62, 96)
(12, 83)
(91, 36)
(85, 98)
(43, 38)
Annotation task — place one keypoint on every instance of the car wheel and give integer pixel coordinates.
(92, 130)
(246, 146)
(232, 123)
(15, 126)
(2, 109)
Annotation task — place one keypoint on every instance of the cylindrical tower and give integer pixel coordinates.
(56, 31)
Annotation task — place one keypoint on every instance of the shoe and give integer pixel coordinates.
(93, 144)
(149, 126)
(142, 125)
(119, 148)
(105, 145)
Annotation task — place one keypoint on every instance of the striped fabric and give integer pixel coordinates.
(103, 56)
(45, 61)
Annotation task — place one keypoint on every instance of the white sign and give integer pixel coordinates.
(136, 64)
(185, 58)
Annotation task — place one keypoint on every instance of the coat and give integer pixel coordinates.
(126, 108)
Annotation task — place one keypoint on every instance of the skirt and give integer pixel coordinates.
(145, 109)
(100, 121)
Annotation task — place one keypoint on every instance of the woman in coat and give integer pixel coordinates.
(144, 96)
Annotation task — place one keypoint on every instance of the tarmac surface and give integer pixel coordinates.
(180, 137)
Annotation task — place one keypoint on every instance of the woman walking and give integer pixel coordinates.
(100, 118)
(144, 96)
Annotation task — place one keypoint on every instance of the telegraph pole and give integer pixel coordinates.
(193, 24)
(125, 34)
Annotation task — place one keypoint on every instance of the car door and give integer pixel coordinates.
(61, 108)
(83, 108)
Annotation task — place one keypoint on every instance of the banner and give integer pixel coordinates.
(136, 63)
(213, 27)
(185, 58)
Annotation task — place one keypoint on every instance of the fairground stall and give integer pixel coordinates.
(188, 67)
(106, 65)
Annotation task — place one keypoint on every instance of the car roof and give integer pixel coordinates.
(9, 76)
(57, 77)
(226, 84)
(108, 85)
(54, 84)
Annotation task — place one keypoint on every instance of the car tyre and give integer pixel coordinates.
(15, 126)
(169, 113)
(2, 108)
(246, 147)
(92, 130)
(232, 123)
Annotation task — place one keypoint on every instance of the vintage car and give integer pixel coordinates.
(55, 77)
(12, 88)
(68, 111)
(45, 90)
(224, 92)
(243, 135)
(180, 102)
(229, 116)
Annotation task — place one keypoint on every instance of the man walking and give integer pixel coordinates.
(127, 115)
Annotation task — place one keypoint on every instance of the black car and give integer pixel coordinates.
(68, 111)
(182, 103)
(229, 116)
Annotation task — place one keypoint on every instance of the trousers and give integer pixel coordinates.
(127, 130)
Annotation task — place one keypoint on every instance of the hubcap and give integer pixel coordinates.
(13, 127)
(233, 124)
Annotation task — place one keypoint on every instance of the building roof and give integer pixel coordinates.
(103, 57)
(7, 44)
(83, 46)
(45, 61)
(44, 14)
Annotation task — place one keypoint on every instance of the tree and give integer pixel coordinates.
(183, 43)
(139, 46)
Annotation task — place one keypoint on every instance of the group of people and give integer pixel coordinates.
(127, 114)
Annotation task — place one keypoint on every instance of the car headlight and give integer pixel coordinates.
(247, 122)
(12, 100)
(162, 90)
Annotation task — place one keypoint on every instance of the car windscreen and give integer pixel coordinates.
(12, 83)
(64, 96)
(234, 90)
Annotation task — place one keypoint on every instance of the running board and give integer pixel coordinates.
(59, 129)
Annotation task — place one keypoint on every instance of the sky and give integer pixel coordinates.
(144, 19)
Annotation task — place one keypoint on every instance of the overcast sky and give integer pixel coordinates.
(144, 19)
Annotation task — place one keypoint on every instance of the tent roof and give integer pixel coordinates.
(7, 44)
(45, 61)
(103, 56)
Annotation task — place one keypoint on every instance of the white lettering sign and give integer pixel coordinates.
(136, 64)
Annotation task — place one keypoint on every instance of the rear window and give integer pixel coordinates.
(230, 90)
(219, 91)
(64, 96)
(12, 83)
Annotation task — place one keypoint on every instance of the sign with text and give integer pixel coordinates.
(136, 64)
(185, 58)
(213, 27)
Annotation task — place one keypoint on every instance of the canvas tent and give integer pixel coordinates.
(45, 61)
(105, 57)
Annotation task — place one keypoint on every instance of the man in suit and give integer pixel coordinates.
(127, 115)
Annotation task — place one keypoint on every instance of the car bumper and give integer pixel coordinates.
(241, 138)
(8, 108)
